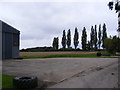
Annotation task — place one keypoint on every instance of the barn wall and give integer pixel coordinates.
(8, 45)
(0, 40)
(15, 48)
(3, 45)
(10, 42)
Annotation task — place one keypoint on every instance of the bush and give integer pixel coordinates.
(112, 45)
(98, 54)
(66, 49)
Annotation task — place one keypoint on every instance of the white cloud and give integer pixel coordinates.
(44, 20)
(52, 1)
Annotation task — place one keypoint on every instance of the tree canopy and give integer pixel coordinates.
(55, 43)
(64, 39)
(112, 44)
(68, 38)
(76, 37)
(84, 39)
(104, 33)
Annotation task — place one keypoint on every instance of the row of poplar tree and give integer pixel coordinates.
(95, 42)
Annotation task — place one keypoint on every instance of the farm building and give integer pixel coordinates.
(9, 40)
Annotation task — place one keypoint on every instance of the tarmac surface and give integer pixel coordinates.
(67, 72)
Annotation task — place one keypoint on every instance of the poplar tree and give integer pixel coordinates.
(68, 38)
(95, 37)
(92, 38)
(64, 40)
(76, 37)
(104, 35)
(55, 43)
(99, 36)
(84, 39)
(88, 46)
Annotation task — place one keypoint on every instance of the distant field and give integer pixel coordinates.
(56, 54)
(62, 54)
(51, 53)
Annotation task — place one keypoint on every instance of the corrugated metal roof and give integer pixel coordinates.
(8, 28)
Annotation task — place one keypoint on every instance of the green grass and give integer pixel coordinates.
(60, 55)
(105, 52)
(0, 81)
(66, 56)
(7, 81)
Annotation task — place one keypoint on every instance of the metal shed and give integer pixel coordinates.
(9, 40)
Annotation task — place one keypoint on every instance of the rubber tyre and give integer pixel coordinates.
(25, 82)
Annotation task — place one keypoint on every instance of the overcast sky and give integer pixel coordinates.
(40, 22)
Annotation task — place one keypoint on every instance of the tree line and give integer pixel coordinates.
(96, 39)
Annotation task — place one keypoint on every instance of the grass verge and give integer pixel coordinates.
(7, 81)
(66, 56)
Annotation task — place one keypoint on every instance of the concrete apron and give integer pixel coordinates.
(54, 70)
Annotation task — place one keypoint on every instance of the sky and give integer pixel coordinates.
(39, 22)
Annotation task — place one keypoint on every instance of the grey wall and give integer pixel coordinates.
(8, 45)
(10, 42)
(3, 45)
(0, 52)
(15, 52)
(0, 40)
(15, 48)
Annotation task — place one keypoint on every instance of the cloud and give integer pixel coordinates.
(40, 22)
(52, 1)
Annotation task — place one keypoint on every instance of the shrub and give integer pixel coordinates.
(112, 45)
(98, 54)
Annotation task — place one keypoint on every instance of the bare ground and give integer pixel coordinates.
(51, 53)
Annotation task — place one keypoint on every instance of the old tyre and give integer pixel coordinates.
(25, 82)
